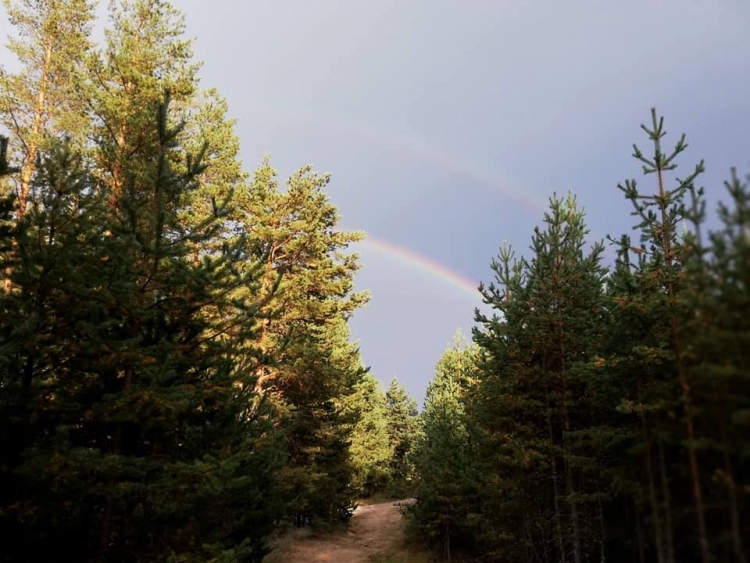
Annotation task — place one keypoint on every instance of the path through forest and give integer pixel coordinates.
(375, 535)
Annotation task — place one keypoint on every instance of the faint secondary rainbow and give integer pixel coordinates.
(425, 264)
(339, 123)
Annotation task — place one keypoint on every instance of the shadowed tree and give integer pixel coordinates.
(137, 434)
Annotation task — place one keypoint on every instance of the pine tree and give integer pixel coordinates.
(145, 55)
(520, 516)
(446, 483)
(37, 334)
(310, 276)
(159, 380)
(207, 124)
(403, 430)
(371, 449)
(39, 102)
(534, 405)
(721, 375)
(135, 419)
(318, 481)
(667, 299)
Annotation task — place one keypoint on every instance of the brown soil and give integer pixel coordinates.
(375, 534)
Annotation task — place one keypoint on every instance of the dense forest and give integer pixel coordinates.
(178, 381)
(177, 378)
(601, 413)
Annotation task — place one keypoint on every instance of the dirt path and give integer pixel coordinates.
(376, 534)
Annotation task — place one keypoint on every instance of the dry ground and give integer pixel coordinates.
(375, 535)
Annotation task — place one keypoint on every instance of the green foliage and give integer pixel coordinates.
(607, 419)
(382, 439)
(403, 431)
(121, 393)
(177, 375)
(307, 368)
(530, 401)
(371, 447)
(41, 102)
(175, 361)
(445, 488)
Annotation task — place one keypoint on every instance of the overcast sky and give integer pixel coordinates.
(448, 124)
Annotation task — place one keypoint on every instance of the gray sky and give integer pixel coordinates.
(448, 124)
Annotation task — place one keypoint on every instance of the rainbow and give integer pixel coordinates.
(421, 150)
(423, 263)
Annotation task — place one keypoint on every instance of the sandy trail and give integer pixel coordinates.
(376, 532)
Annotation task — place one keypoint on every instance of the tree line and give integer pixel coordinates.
(601, 411)
(177, 378)
(178, 381)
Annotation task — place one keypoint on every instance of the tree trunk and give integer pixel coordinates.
(573, 514)
(32, 144)
(602, 527)
(448, 542)
(106, 531)
(107, 521)
(734, 511)
(574, 523)
(29, 159)
(667, 501)
(639, 534)
(555, 488)
(655, 510)
(695, 480)
(695, 476)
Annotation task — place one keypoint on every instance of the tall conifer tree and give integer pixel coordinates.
(40, 101)
(126, 395)
(403, 429)
(446, 482)
(371, 449)
(662, 271)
